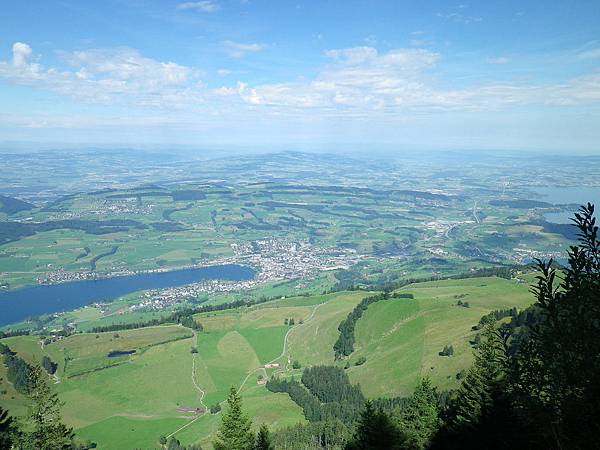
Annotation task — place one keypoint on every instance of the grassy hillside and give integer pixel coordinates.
(402, 338)
(119, 402)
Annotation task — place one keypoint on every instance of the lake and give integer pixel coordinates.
(21, 304)
(568, 196)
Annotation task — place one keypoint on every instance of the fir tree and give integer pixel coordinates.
(487, 374)
(555, 378)
(419, 420)
(263, 439)
(482, 414)
(6, 429)
(375, 431)
(43, 428)
(235, 433)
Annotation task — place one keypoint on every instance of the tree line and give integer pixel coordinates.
(324, 394)
(183, 316)
(534, 383)
(344, 346)
(18, 371)
(352, 281)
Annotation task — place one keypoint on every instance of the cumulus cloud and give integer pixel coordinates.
(106, 75)
(361, 81)
(238, 49)
(355, 82)
(205, 6)
(21, 54)
(358, 77)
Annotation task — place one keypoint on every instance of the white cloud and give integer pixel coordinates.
(127, 65)
(498, 60)
(238, 49)
(205, 6)
(356, 82)
(357, 77)
(361, 81)
(105, 76)
(21, 54)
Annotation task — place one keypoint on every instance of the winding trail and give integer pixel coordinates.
(285, 349)
(197, 387)
(281, 370)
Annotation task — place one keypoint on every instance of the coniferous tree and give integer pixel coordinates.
(419, 420)
(7, 431)
(43, 428)
(556, 377)
(486, 375)
(263, 439)
(49, 365)
(375, 431)
(235, 433)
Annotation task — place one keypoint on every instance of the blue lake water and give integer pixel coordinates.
(575, 196)
(21, 304)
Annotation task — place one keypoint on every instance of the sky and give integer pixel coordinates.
(368, 75)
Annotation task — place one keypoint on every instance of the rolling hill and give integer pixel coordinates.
(135, 398)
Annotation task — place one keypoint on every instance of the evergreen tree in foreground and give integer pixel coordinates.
(419, 420)
(6, 429)
(43, 428)
(375, 431)
(486, 376)
(263, 439)
(235, 433)
(556, 377)
(539, 388)
(482, 415)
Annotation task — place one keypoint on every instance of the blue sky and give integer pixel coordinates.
(399, 75)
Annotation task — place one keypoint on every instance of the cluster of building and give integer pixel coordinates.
(287, 260)
(159, 299)
(273, 260)
(64, 276)
(128, 205)
(522, 255)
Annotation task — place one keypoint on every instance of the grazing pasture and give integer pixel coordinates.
(140, 393)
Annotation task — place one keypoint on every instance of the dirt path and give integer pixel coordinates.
(197, 387)
(285, 349)
(283, 354)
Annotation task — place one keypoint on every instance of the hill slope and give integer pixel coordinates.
(400, 338)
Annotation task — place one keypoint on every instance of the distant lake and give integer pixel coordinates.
(566, 196)
(21, 304)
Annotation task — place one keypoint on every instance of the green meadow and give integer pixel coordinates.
(134, 399)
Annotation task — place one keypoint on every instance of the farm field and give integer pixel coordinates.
(400, 339)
